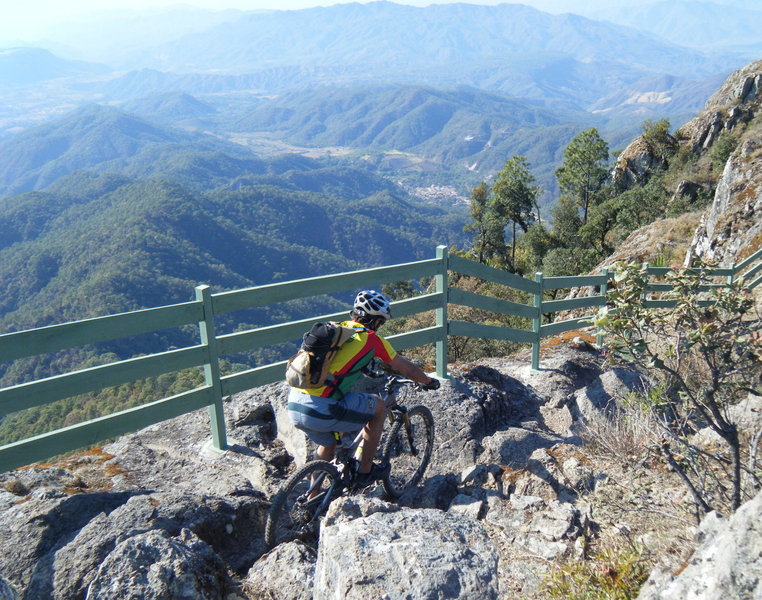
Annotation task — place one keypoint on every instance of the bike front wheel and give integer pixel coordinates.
(408, 450)
(297, 508)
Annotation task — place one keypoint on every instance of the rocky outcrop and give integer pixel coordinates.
(731, 228)
(639, 161)
(408, 553)
(737, 101)
(157, 513)
(727, 564)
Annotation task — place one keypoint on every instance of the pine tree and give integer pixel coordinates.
(515, 197)
(585, 168)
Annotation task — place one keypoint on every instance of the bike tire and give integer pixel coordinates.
(408, 463)
(289, 517)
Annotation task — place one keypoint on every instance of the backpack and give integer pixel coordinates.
(308, 368)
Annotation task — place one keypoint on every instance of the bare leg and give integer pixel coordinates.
(322, 453)
(325, 452)
(371, 435)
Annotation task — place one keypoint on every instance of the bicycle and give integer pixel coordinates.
(303, 500)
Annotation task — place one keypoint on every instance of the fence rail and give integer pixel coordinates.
(203, 312)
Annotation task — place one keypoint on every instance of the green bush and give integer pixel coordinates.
(611, 575)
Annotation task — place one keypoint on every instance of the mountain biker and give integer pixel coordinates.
(320, 412)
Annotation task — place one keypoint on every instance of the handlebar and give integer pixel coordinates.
(374, 372)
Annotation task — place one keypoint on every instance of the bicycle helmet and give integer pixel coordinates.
(372, 304)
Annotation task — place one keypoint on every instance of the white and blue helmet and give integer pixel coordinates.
(373, 304)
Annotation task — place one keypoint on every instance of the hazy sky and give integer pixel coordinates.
(27, 19)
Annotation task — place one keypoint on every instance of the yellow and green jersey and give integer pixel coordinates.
(349, 361)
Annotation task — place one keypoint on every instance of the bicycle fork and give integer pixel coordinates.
(315, 484)
(400, 412)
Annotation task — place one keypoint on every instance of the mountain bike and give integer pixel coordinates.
(298, 507)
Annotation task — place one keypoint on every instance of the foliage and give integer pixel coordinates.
(532, 247)
(722, 149)
(657, 136)
(616, 574)
(584, 169)
(567, 222)
(704, 353)
(464, 348)
(485, 225)
(615, 217)
(569, 261)
(515, 197)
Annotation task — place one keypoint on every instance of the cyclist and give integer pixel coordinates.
(320, 412)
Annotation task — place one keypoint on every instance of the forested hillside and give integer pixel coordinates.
(104, 244)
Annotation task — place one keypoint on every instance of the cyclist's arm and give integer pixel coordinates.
(409, 369)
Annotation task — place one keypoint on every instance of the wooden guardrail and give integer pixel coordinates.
(207, 354)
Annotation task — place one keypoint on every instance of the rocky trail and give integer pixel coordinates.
(518, 485)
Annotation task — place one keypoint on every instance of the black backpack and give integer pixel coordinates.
(308, 368)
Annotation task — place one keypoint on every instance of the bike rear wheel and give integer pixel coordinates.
(408, 449)
(297, 508)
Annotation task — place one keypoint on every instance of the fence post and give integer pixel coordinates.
(212, 368)
(604, 291)
(644, 295)
(537, 323)
(731, 277)
(442, 286)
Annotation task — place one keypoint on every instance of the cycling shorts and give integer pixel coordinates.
(320, 417)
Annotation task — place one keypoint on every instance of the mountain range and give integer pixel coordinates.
(188, 151)
(700, 25)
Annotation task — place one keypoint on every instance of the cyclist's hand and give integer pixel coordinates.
(432, 385)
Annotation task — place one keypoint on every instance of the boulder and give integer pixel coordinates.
(406, 554)
(727, 564)
(33, 531)
(55, 543)
(602, 397)
(286, 573)
(157, 566)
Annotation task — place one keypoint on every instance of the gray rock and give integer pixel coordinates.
(468, 408)
(406, 554)
(54, 543)
(732, 226)
(467, 506)
(560, 522)
(514, 446)
(32, 532)
(638, 162)
(285, 573)
(543, 477)
(727, 564)
(157, 566)
(747, 414)
(437, 492)
(348, 508)
(735, 102)
(524, 502)
(601, 396)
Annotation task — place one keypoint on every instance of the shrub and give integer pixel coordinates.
(616, 574)
(704, 353)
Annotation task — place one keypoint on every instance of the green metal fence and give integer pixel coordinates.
(207, 306)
